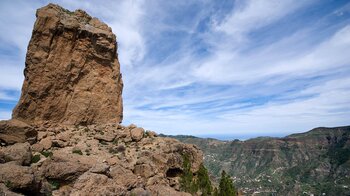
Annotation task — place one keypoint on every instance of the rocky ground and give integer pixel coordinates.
(107, 159)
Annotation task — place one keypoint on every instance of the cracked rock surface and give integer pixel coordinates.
(72, 72)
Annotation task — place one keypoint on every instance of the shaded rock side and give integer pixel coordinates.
(13, 131)
(72, 73)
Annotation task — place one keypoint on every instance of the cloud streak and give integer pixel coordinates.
(203, 67)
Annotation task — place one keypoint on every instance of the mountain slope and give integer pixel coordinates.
(314, 162)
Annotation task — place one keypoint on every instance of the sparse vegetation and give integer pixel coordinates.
(112, 150)
(47, 153)
(35, 158)
(226, 187)
(8, 184)
(146, 134)
(193, 183)
(77, 151)
(54, 184)
(204, 183)
(67, 11)
(121, 148)
(187, 183)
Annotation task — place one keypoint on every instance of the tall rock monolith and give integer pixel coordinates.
(72, 73)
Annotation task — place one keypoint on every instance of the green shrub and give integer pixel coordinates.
(204, 183)
(47, 153)
(226, 187)
(187, 183)
(54, 184)
(8, 184)
(35, 158)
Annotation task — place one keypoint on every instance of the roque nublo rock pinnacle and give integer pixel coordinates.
(72, 73)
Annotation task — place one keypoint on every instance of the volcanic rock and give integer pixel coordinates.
(13, 131)
(4, 190)
(15, 176)
(19, 152)
(72, 72)
(137, 133)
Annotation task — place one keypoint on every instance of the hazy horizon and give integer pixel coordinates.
(244, 68)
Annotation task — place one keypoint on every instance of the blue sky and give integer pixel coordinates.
(244, 67)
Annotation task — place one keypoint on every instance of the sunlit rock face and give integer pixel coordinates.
(72, 72)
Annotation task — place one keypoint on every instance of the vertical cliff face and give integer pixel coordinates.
(72, 73)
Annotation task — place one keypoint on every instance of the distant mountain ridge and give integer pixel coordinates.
(314, 162)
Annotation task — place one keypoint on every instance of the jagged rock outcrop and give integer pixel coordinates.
(65, 137)
(72, 73)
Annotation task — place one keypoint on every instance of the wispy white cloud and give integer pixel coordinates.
(249, 15)
(128, 27)
(16, 25)
(7, 97)
(327, 107)
(201, 67)
(275, 61)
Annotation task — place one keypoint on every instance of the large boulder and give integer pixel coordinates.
(72, 73)
(165, 190)
(15, 176)
(137, 133)
(19, 152)
(107, 137)
(15, 131)
(65, 170)
(123, 177)
(96, 184)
